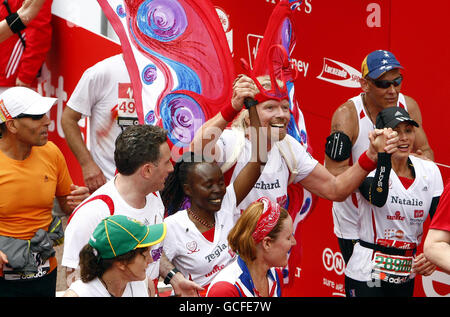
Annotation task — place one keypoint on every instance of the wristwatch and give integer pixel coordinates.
(169, 275)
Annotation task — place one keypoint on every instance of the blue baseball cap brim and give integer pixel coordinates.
(379, 62)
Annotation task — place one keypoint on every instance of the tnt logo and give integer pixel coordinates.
(333, 261)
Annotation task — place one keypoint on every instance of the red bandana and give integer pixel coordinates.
(267, 220)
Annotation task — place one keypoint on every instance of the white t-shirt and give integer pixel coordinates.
(86, 217)
(95, 288)
(273, 181)
(103, 89)
(399, 222)
(345, 213)
(195, 256)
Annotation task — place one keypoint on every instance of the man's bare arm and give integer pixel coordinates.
(344, 120)
(92, 174)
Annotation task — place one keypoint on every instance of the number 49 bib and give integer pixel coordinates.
(126, 107)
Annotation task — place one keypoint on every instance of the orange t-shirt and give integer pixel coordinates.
(28, 189)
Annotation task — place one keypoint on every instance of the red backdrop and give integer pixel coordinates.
(333, 37)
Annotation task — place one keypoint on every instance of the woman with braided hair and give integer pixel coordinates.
(196, 242)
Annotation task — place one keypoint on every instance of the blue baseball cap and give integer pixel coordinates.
(379, 62)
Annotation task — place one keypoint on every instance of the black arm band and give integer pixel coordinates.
(375, 189)
(15, 23)
(338, 146)
(434, 204)
(169, 275)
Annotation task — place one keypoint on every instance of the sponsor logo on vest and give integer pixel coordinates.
(418, 217)
(192, 247)
(397, 216)
(394, 233)
(216, 252)
(216, 269)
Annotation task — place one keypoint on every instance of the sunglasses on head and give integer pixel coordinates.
(381, 83)
(32, 116)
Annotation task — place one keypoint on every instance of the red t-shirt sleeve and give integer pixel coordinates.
(441, 218)
(38, 37)
(223, 289)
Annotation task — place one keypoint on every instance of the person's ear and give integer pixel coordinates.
(187, 190)
(11, 126)
(147, 170)
(120, 265)
(364, 84)
(266, 243)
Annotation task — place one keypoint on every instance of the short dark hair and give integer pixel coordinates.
(137, 145)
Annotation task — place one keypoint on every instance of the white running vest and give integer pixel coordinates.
(345, 214)
(398, 223)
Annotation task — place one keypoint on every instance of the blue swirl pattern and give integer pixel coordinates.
(164, 21)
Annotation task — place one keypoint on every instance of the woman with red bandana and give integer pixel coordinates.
(262, 237)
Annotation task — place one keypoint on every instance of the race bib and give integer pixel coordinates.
(126, 106)
(394, 269)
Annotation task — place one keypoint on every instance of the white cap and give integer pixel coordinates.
(18, 100)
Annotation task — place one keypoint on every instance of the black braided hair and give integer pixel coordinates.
(173, 195)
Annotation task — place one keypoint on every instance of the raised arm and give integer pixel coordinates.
(376, 189)
(249, 175)
(26, 13)
(209, 133)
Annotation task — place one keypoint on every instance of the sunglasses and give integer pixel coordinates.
(32, 116)
(387, 83)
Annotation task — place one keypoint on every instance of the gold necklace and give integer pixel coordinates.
(201, 220)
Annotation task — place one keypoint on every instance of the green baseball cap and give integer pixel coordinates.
(119, 234)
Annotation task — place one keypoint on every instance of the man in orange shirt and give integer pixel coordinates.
(33, 172)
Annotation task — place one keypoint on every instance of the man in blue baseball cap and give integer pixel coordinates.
(381, 82)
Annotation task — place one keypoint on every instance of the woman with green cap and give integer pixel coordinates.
(114, 262)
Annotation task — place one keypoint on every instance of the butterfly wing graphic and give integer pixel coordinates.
(178, 59)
